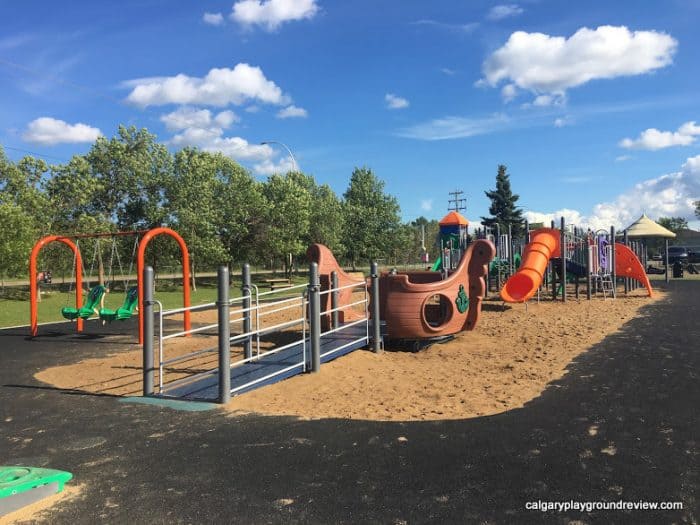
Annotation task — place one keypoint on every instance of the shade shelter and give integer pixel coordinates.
(645, 228)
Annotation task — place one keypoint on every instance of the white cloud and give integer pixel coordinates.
(50, 131)
(455, 127)
(459, 28)
(653, 139)
(549, 65)
(426, 204)
(270, 14)
(509, 92)
(292, 112)
(220, 87)
(499, 12)
(670, 195)
(560, 122)
(622, 158)
(395, 102)
(447, 71)
(269, 166)
(213, 19)
(187, 117)
(212, 139)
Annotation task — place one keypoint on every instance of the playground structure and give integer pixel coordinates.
(332, 315)
(96, 294)
(557, 254)
(453, 240)
(424, 305)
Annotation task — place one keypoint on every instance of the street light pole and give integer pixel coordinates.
(294, 161)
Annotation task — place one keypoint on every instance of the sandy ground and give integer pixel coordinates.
(507, 361)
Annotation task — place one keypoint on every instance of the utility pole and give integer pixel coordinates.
(457, 202)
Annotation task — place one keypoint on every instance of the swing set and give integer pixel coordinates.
(133, 302)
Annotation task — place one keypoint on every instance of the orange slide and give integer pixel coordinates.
(544, 244)
(627, 264)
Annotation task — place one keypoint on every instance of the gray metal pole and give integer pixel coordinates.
(498, 245)
(563, 260)
(626, 242)
(666, 259)
(148, 366)
(222, 303)
(315, 317)
(246, 290)
(376, 321)
(335, 295)
(613, 275)
(588, 249)
(510, 250)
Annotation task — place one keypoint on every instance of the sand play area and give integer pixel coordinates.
(507, 361)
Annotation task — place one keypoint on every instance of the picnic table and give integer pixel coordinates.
(280, 282)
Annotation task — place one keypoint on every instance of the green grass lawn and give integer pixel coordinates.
(14, 305)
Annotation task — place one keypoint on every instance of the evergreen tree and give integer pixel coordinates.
(503, 209)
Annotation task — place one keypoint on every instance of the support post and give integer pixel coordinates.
(499, 250)
(222, 303)
(315, 317)
(589, 248)
(626, 242)
(148, 367)
(246, 290)
(613, 275)
(563, 260)
(510, 250)
(335, 295)
(376, 321)
(666, 258)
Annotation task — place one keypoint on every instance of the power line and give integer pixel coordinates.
(33, 153)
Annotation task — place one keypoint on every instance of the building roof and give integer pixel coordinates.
(454, 218)
(645, 227)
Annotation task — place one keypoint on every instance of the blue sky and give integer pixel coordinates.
(591, 105)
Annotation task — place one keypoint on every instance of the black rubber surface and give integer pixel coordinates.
(640, 388)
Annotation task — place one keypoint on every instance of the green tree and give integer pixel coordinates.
(371, 217)
(503, 210)
(17, 236)
(288, 215)
(675, 224)
(132, 170)
(697, 209)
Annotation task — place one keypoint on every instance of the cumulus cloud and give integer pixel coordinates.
(395, 102)
(270, 14)
(292, 112)
(499, 12)
(509, 92)
(426, 204)
(269, 166)
(652, 139)
(188, 117)
(670, 195)
(213, 19)
(220, 87)
(549, 65)
(49, 131)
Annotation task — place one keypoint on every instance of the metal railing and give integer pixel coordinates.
(243, 323)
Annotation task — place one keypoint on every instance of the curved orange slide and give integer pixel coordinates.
(627, 264)
(544, 244)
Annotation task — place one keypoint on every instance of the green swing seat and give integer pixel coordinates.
(89, 309)
(126, 310)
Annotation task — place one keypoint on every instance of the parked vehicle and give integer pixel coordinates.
(677, 254)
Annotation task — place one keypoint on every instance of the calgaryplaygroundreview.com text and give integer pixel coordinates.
(590, 506)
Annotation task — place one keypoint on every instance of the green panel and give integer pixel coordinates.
(16, 480)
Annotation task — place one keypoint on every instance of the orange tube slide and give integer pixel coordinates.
(544, 244)
(627, 264)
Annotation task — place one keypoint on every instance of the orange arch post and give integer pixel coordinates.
(140, 265)
(33, 310)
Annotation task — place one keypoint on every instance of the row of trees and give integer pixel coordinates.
(131, 182)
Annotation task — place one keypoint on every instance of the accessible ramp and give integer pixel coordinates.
(627, 264)
(523, 284)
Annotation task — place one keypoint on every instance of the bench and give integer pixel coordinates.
(278, 283)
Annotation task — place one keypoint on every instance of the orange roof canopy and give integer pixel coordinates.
(454, 219)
